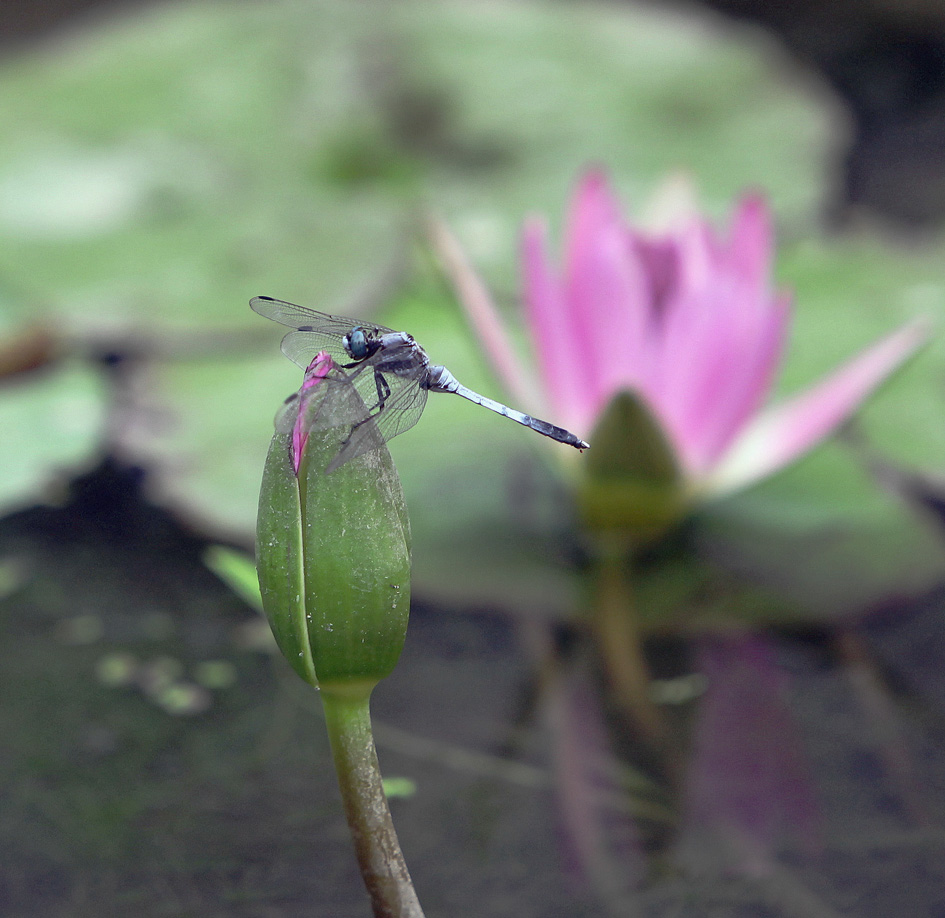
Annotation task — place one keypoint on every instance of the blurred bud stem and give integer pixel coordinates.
(617, 632)
(632, 493)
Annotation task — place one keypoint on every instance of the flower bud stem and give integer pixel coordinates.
(379, 856)
(617, 629)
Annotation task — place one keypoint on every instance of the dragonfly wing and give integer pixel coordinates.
(364, 437)
(377, 404)
(338, 401)
(287, 413)
(302, 317)
(402, 409)
(314, 331)
(332, 404)
(400, 413)
(288, 313)
(302, 346)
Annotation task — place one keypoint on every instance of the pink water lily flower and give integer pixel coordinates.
(689, 321)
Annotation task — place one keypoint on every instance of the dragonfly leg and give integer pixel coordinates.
(383, 389)
(383, 393)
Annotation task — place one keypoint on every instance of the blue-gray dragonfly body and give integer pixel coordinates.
(390, 371)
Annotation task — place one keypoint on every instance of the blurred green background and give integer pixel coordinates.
(163, 167)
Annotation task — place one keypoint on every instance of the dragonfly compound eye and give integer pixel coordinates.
(355, 343)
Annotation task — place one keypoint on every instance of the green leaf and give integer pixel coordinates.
(237, 570)
(50, 421)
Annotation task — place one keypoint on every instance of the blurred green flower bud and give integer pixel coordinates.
(333, 539)
(633, 490)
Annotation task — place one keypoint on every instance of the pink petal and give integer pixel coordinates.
(751, 377)
(751, 242)
(736, 375)
(316, 371)
(682, 320)
(591, 206)
(722, 335)
(610, 300)
(607, 290)
(553, 333)
(486, 322)
(659, 257)
(788, 430)
(721, 338)
(698, 256)
(319, 367)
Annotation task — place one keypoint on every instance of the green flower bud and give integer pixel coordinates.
(633, 490)
(333, 539)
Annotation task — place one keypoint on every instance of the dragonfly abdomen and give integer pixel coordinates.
(439, 379)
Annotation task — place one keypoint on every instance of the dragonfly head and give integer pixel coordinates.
(356, 343)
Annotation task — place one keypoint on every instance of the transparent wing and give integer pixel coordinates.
(333, 405)
(350, 402)
(403, 408)
(403, 405)
(301, 346)
(333, 402)
(298, 316)
(315, 331)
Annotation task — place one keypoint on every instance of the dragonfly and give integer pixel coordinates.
(390, 371)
